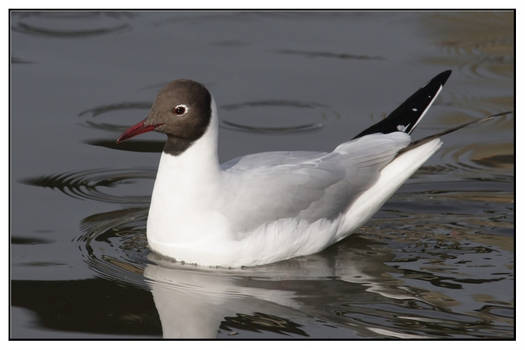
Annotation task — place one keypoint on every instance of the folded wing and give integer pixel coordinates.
(305, 185)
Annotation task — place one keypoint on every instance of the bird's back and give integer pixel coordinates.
(306, 186)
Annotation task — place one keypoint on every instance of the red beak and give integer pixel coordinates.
(135, 130)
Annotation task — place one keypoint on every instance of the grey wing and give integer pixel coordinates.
(268, 159)
(311, 186)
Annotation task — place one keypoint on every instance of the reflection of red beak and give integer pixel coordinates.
(136, 129)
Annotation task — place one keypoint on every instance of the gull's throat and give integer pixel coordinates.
(176, 145)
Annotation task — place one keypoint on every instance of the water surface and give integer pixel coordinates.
(436, 262)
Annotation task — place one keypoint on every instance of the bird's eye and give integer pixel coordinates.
(179, 110)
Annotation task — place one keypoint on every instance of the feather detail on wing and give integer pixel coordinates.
(306, 185)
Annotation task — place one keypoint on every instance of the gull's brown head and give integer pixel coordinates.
(182, 109)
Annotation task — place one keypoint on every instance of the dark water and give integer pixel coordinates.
(436, 262)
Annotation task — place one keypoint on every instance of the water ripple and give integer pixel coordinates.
(96, 111)
(480, 45)
(326, 54)
(481, 157)
(69, 24)
(271, 130)
(99, 114)
(280, 116)
(366, 282)
(89, 184)
(18, 60)
(114, 244)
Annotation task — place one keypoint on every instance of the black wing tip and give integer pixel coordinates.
(442, 77)
(409, 113)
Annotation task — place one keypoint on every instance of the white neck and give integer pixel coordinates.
(185, 187)
(200, 158)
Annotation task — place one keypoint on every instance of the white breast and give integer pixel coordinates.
(186, 193)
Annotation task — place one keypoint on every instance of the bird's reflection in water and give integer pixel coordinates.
(393, 279)
(196, 303)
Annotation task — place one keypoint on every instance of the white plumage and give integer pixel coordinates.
(267, 207)
(262, 208)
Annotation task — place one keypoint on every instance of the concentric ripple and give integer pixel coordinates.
(95, 184)
(69, 24)
(118, 112)
(111, 109)
(93, 112)
(276, 116)
(270, 116)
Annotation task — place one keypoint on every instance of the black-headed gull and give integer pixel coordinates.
(266, 207)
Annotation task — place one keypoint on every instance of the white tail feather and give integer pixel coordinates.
(391, 178)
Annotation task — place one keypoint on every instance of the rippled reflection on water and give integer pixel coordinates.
(397, 277)
(436, 262)
(91, 184)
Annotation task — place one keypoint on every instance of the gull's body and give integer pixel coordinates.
(267, 207)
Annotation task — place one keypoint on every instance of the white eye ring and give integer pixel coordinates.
(180, 109)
